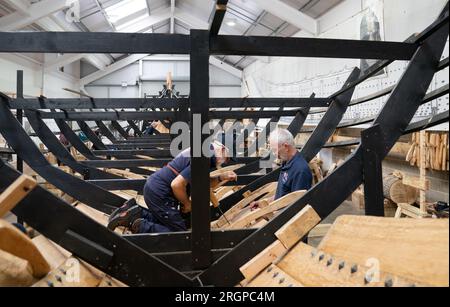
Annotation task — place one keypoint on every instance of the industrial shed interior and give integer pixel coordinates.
(228, 143)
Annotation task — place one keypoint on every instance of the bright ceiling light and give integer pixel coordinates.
(124, 8)
(231, 22)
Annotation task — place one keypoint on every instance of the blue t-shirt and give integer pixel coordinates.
(160, 182)
(295, 175)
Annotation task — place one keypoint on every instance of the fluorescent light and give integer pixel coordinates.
(231, 22)
(124, 8)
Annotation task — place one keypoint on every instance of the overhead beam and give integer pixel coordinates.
(36, 11)
(57, 23)
(311, 47)
(172, 16)
(111, 68)
(291, 15)
(19, 6)
(146, 22)
(226, 67)
(61, 61)
(144, 103)
(86, 42)
(220, 11)
(160, 115)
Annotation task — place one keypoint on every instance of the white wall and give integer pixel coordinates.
(154, 73)
(299, 77)
(49, 84)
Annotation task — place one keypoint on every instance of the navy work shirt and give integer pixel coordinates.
(159, 184)
(295, 175)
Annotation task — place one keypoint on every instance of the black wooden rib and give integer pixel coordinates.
(443, 90)
(98, 144)
(135, 128)
(119, 129)
(427, 123)
(54, 218)
(85, 151)
(442, 65)
(330, 121)
(52, 143)
(25, 148)
(74, 139)
(106, 132)
(328, 195)
(323, 132)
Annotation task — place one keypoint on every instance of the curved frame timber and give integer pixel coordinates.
(120, 129)
(138, 142)
(423, 50)
(52, 143)
(25, 148)
(106, 132)
(326, 196)
(83, 149)
(97, 143)
(325, 129)
(90, 241)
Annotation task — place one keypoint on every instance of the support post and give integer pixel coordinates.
(200, 164)
(371, 141)
(19, 113)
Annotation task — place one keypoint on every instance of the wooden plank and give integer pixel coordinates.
(314, 268)
(96, 215)
(416, 182)
(267, 190)
(54, 254)
(108, 282)
(423, 172)
(15, 193)
(263, 260)
(274, 277)
(72, 273)
(16, 243)
(298, 227)
(223, 170)
(319, 231)
(274, 206)
(417, 249)
(412, 211)
(124, 173)
(410, 154)
(14, 271)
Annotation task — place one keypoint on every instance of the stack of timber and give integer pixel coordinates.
(358, 251)
(219, 192)
(395, 189)
(316, 168)
(242, 208)
(436, 151)
(358, 201)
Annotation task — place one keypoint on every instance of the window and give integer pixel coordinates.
(125, 8)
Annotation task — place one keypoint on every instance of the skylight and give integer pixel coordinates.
(124, 8)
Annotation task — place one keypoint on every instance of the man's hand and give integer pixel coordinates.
(186, 208)
(228, 176)
(254, 205)
(261, 203)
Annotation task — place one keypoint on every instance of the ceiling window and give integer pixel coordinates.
(124, 8)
